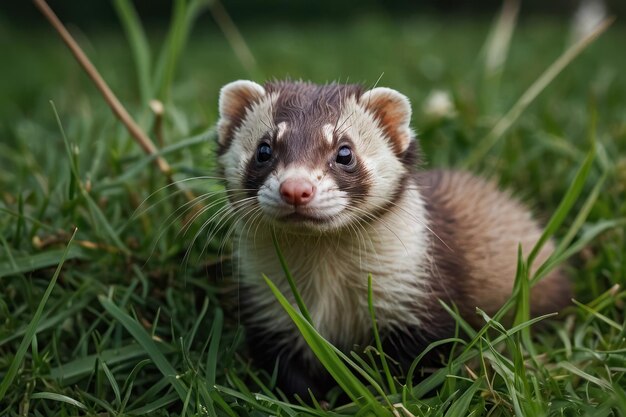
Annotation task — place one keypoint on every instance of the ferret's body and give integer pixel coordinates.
(331, 170)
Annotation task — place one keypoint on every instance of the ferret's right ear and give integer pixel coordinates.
(235, 98)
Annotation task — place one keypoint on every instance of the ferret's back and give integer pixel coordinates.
(481, 228)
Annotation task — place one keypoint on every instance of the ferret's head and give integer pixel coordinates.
(314, 157)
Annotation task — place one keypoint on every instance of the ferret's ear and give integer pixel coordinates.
(393, 111)
(235, 98)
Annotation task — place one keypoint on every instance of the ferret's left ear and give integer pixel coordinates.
(393, 111)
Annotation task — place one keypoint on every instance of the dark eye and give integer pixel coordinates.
(263, 152)
(344, 156)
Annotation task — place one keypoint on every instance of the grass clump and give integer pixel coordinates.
(125, 315)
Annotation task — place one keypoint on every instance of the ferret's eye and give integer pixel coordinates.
(263, 152)
(344, 156)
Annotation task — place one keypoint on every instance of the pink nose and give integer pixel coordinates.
(297, 191)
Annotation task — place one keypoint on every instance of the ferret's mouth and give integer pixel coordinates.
(306, 222)
(298, 218)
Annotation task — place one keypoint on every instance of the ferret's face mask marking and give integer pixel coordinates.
(312, 158)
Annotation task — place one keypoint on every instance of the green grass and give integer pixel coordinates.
(135, 321)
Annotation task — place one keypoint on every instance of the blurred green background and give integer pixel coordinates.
(416, 47)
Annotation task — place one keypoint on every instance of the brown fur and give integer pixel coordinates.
(482, 227)
(307, 107)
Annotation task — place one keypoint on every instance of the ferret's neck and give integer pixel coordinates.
(331, 271)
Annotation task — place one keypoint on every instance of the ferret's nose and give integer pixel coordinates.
(297, 191)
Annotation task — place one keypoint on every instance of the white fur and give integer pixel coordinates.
(331, 271)
(374, 150)
(282, 126)
(327, 130)
(258, 121)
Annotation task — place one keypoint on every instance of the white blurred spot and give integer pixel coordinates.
(589, 15)
(439, 105)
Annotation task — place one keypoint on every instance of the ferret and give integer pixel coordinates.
(332, 171)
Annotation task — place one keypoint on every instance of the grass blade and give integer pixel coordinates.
(379, 345)
(565, 205)
(35, 261)
(324, 352)
(587, 236)
(58, 397)
(212, 355)
(97, 215)
(31, 330)
(183, 17)
(594, 380)
(234, 37)
(496, 50)
(582, 215)
(151, 348)
(600, 316)
(459, 407)
(290, 280)
(154, 406)
(138, 44)
(127, 389)
(112, 382)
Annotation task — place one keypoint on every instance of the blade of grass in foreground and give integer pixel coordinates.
(292, 285)
(303, 310)
(32, 326)
(594, 380)
(154, 406)
(327, 356)
(35, 261)
(460, 406)
(521, 291)
(259, 406)
(58, 397)
(379, 345)
(211, 360)
(127, 388)
(112, 382)
(439, 376)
